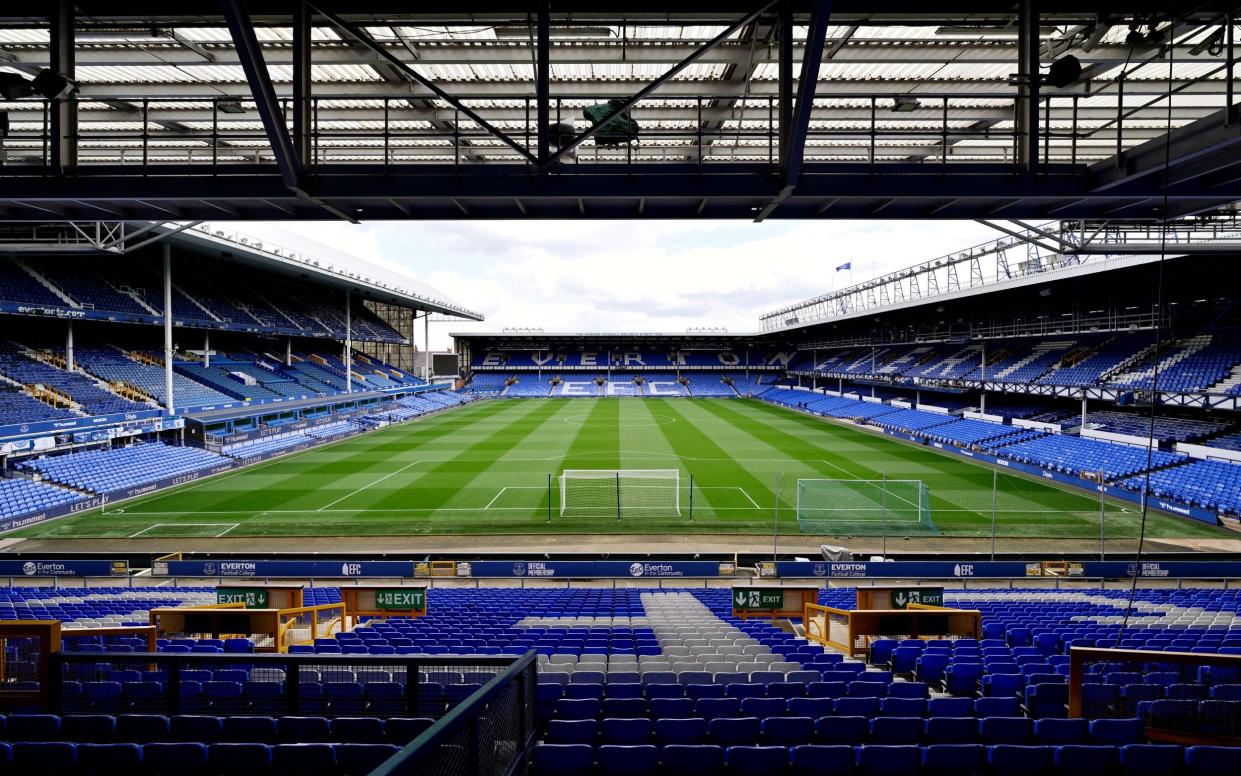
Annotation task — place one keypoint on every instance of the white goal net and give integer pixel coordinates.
(618, 492)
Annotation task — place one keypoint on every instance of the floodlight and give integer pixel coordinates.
(1064, 71)
(53, 86)
(49, 85)
(618, 128)
(230, 106)
(905, 104)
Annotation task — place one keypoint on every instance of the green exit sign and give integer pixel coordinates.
(758, 599)
(401, 599)
(928, 597)
(251, 597)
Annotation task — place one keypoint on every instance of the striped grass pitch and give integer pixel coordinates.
(484, 469)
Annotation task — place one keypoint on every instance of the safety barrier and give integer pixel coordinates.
(491, 732)
(270, 630)
(852, 631)
(26, 649)
(1181, 697)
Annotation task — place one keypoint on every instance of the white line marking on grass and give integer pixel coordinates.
(731, 487)
(369, 484)
(495, 498)
(840, 468)
(153, 526)
(747, 495)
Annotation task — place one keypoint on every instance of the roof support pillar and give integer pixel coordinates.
(63, 110)
(345, 357)
(1027, 100)
(250, 55)
(170, 406)
(785, 74)
(542, 77)
(302, 96)
(792, 160)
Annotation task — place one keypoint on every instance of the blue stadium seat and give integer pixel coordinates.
(310, 759)
(680, 760)
(757, 760)
(613, 760)
(562, 759)
(361, 759)
(174, 759)
(1210, 760)
(684, 731)
(196, 727)
(1023, 760)
(888, 760)
(842, 730)
(736, 731)
(821, 760)
(1074, 760)
(96, 728)
(1058, 732)
(1005, 730)
(954, 759)
(108, 759)
(1151, 760)
(1117, 732)
(244, 758)
(951, 730)
(787, 731)
(626, 732)
(44, 757)
(896, 730)
(577, 731)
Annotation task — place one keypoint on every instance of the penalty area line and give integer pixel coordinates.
(153, 526)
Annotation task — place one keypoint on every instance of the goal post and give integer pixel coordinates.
(618, 492)
(864, 507)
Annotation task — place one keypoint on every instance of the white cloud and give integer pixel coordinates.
(636, 275)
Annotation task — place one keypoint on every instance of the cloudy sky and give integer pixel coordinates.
(632, 275)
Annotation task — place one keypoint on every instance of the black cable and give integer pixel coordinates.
(1159, 314)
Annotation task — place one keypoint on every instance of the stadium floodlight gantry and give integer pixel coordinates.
(677, 109)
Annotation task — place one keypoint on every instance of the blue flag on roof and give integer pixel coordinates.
(846, 265)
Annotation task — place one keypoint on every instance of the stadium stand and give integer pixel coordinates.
(527, 385)
(670, 676)
(20, 496)
(1213, 485)
(708, 384)
(104, 470)
(1086, 457)
(113, 365)
(17, 407)
(1165, 429)
(89, 397)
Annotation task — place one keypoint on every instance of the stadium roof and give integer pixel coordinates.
(292, 253)
(432, 110)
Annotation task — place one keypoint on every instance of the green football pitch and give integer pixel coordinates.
(485, 468)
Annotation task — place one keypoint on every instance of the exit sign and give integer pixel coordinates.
(253, 598)
(758, 599)
(401, 599)
(926, 596)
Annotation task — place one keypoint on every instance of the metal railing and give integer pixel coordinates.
(267, 684)
(1174, 693)
(488, 734)
(934, 128)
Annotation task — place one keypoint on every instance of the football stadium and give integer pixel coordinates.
(274, 502)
